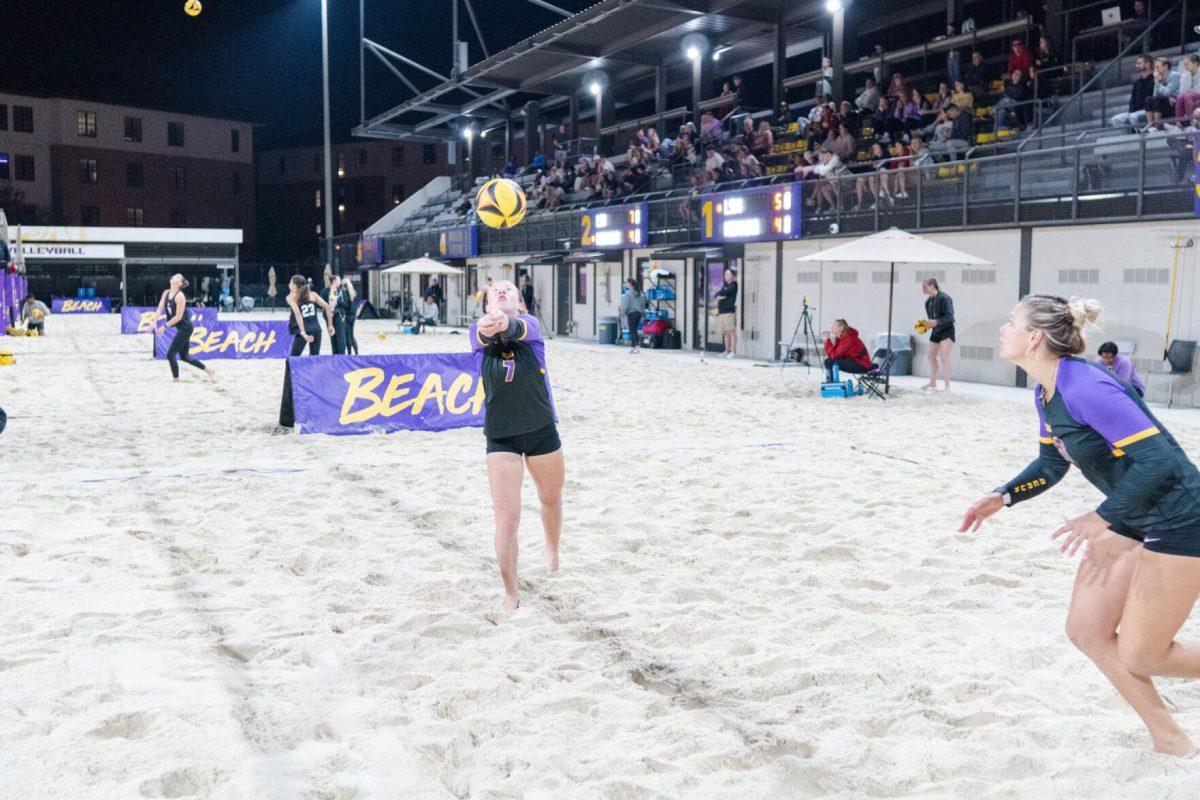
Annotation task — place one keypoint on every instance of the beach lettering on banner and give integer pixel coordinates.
(69, 305)
(232, 340)
(141, 319)
(345, 395)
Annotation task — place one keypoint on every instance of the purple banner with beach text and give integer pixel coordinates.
(140, 319)
(232, 340)
(71, 305)
(345, 395)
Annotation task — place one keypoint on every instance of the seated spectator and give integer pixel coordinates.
(511, 169)
(876, 180)
(845, 350)
(955, 135)
(921, 157)
(746, 137)
(842, 145)
(560, 141)
(830, 119)
(1143, 90)
(1019, 59)
(764, 140)
(803, 166)
(1045, 64)
(1189, 86)
(886, 126)
(429, 311)
(897, 91)
(851, 118)
(713, 161)
(653, 143)
(710, 127)
(1141, 12)
(963, 98)
(868, 98)
(899, 164)
(813, 128)
(916, 110)
(944, 98)
(784, 116)
(748, 166)
(739, 91)
(827, 191)
(1121, 366)
(825, 84)
(1017, 94)
(1166, 88)
(539, 160)
(976, 76)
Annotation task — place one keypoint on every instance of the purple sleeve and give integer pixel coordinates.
(1123, 368)
(1096, 399)
(477, 344)
(533, 330)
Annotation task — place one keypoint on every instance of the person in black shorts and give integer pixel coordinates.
(173, 305)
(939, 319)
(305, 328)
(1140, 573)
(519, 423)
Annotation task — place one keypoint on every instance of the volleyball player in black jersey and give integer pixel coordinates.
(303, 323)
(173, 305)
(305, 328)
(1140, 574)
(519, 423)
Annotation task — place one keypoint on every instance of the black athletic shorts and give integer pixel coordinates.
(538, 443)
(941, 336)
(1184, 542)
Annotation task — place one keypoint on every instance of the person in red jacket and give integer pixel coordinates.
(845, 350)
(1019, 58)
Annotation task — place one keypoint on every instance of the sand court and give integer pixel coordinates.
(762, 594)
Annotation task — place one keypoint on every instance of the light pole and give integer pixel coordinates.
(328, 148)
(596, 91)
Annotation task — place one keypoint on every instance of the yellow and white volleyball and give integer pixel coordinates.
(500, 203)
(920, 326)
(192, 8)
(36, 314)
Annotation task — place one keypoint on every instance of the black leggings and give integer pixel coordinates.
(844, 365)
(287, 411)
(351, 344)
(634, 318)
(179, 348)
(337, 337)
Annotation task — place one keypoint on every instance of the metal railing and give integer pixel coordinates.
(1119, 177)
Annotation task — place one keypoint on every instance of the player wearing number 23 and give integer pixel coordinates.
(517, 400)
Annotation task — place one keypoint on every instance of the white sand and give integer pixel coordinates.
(748, 608)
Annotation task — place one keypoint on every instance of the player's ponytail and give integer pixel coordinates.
(300, 285)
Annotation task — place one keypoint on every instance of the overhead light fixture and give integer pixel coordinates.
(468, 132)
(833, 6)
(594, 88)
(693, 53)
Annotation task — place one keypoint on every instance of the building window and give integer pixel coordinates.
(237, 182)
(317, 163)
(808, 277)
(235, 140)
(429, 154)
(135, 174)
(4, 173)
(85, 123)
(397, 193)
(581, 285)
(178, 178)
(362, 156)
(175, 134)
(282, 165)
(1079, 276)
(134, 217)
(89, 215)
(178, 219)
(845, 277)
(89, 171)
(23, 119)
(397, 156)
(318, 198)
(24, 168)
(3, 117)
(133, 129)
(938, 275)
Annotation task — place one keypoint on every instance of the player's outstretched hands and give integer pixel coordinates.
(981, 510)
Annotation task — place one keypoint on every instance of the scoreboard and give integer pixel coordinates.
(615, 227)
(759, 214)
(459, 242)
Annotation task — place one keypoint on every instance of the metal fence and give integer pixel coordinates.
(1110, 176)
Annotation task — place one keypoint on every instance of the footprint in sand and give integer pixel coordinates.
(123, 726)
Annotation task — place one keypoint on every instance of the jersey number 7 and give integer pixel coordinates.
(510, 369)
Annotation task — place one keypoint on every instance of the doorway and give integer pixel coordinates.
(708, 275)
(562, 283)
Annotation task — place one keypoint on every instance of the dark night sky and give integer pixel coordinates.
(257, 60)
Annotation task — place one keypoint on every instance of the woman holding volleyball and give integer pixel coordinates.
(519, 423)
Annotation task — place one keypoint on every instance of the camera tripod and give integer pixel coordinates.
(804, 327)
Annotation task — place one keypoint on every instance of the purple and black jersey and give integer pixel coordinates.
(516, 387)
(1101, 425)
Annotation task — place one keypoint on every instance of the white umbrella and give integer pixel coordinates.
(423, 266)
(894, 246)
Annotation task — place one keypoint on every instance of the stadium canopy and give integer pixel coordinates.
(637, 44)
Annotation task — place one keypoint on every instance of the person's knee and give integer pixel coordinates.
(550, 496)
(1088, 637)
(1139, 656)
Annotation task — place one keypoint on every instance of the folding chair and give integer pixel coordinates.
(874, 380)
(1180, 356)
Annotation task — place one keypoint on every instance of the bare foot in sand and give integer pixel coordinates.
(929, 387)
(551, 561)
(510, 604)
(1175, 745)
(208, 372)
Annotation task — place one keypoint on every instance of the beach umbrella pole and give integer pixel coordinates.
(887, 379)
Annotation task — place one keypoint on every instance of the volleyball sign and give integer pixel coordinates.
(232, 340)
(345, 395)
(141, 319)
(69, 305)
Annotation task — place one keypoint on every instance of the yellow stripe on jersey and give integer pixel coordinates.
(1118, 452)
(1046, 440)
(1137, 437)
(524, 330)
(479, 336)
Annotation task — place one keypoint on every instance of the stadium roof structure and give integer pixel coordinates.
(629, 40)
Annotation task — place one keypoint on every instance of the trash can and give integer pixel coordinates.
(606, 330)
(903, 348)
